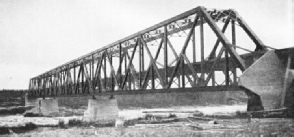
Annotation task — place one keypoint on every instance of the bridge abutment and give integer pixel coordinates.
(266, 80)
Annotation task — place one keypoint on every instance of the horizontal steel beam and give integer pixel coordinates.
(150, 91)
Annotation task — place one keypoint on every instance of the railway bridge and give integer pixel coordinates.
(199, 51)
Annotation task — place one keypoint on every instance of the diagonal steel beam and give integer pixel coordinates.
(98, 69)
(212, 67)
(259, 44)
(174, 52)
(118, 72)
(133, 71)
(112, 70)
(152, 61)
(78, 80)
(183, 50)
(212, 53)
(91, 90)
(190, 81)
(223, 39)
(128, 69)
(194, 74)
(145, 82)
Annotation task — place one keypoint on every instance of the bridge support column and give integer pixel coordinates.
(31, 101)
(104, 110)
(44, 107)
(48, 106)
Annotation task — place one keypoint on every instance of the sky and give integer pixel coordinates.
(38, 35)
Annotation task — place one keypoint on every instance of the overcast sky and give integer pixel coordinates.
(38, 35)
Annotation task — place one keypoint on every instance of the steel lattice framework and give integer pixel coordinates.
(169, 55)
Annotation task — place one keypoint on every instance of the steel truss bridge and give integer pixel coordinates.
(194, 51)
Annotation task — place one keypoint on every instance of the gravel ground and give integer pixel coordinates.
(191, 127)
(233, 128)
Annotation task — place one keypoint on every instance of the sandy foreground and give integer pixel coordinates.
(234, 128)
(189, 127)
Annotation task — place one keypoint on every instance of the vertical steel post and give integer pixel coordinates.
(165, 55)
(140, 65)
(130, 79)
(183, 71)
(152, 78)
(194, 50)
(99, 76)
(90, 65)
(56, 83)
(142, 58)
(227, 73)
(30, 89)
(126, 67)
(119, 71)
(202, 46)
(43, 84)
(93, 62)
(83, 75)
(74, 84)
(112, 78)
(143, 62)
(194, 46)
(234, 44)
(30, 86)
(39, 86)
(179, 80)
(67, 80)
(105, 74)
(62, 82)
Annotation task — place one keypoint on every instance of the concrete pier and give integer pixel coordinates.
(101, 109)
(45, 106)
(48, 106)
(31, 101)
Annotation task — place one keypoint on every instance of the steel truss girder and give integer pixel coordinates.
(105, 76)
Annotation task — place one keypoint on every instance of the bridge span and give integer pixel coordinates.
(199, 50)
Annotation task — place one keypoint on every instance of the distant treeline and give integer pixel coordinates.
(13, 90)
(7, 93)
(12, 97)
(11, 93)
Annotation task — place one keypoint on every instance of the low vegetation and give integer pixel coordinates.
(14, 110)
(20, 129)
(151, 119)
(81, 123)
(61, 124)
